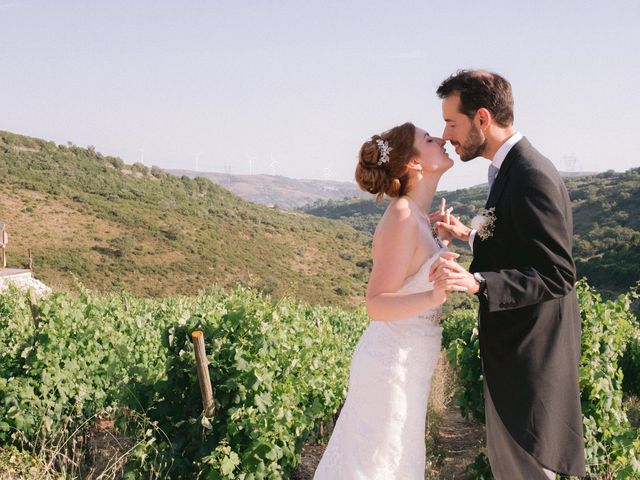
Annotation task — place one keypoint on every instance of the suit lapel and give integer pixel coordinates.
(503, 175)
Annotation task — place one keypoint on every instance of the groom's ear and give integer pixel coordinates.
(484, 118)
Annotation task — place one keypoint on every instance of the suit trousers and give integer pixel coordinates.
(509, 461)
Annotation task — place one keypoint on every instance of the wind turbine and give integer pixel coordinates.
(570, 162)
(328, 172)
(251, 159)
(197, 161)
(141, 150)
(227, 170)
(272, 165)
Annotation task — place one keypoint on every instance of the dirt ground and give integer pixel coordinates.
(452, 441)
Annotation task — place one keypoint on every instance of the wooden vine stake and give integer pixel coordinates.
(35, 310)
(202, 365)
(4, 240)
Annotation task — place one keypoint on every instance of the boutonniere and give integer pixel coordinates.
(484, 222)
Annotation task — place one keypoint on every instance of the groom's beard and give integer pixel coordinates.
(474, 146)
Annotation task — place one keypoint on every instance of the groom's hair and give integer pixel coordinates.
(480, 89)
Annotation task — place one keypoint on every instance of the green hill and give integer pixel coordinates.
(606, 223)
(91, 218)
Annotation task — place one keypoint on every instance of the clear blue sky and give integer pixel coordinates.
(294, 87)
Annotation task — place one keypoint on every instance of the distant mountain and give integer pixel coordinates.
(91, 218)
(606, 210)
(283, 192)
(290, 193)
(577, 174)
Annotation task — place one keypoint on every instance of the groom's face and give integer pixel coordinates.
(461, 131)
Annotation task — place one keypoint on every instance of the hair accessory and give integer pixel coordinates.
(384, 149)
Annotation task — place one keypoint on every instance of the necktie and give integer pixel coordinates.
(491, 175)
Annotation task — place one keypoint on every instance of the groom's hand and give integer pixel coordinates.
(454, 227)
(447, 271)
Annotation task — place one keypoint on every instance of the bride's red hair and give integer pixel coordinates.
(390, 178)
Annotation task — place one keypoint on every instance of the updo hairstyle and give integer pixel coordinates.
(392, 177)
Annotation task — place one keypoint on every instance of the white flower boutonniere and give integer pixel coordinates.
(484, 222)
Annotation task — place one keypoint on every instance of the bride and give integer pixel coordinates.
(380, 432)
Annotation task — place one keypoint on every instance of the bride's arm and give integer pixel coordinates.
(395, 242)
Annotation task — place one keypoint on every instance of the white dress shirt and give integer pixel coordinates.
(497, 161)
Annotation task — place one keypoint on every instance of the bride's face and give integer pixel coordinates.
(431, 153)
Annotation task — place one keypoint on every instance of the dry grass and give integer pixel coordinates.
(106, 451)
(453, 442)
(92, 450)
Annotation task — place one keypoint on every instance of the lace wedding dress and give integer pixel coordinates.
(380, 433)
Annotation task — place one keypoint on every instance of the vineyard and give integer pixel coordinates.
(277, 369)
(609, 380)
(79, 364)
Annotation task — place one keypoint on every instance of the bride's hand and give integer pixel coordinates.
(438, 215)
(442, 288)
(442, 217)
(447, 273)
(448, 279)
(439, 294)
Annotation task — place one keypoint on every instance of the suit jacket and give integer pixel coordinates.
(529, 323)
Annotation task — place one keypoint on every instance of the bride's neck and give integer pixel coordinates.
(423, 191)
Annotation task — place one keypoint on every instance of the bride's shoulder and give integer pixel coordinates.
(399, 209)
(397, 218)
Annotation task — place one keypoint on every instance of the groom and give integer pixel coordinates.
(524, 275)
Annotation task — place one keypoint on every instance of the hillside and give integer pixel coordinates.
(606, 223)
(283, 192)
(92, 219)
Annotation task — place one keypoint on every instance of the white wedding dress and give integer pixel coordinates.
(380, 433)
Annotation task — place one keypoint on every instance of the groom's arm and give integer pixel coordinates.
(543, 239)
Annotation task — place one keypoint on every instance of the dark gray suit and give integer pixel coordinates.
(529, 321)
